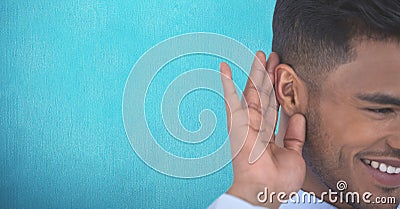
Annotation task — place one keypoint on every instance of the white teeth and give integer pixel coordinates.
(375, 164)
(382, 167)
(391, 170)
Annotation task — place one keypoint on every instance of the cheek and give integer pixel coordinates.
(345, 135)
(347, 128)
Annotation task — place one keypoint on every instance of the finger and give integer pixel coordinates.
(255, 81)
(231, 98)
(270, 117)
(269, 80)
(295, 133)
(273, 61)
(266, 133)
(283, 122)
(269, 101)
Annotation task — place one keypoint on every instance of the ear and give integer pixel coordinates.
(291, 91)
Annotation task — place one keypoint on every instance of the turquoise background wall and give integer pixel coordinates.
(63, 68)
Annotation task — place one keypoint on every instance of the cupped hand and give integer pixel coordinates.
(258, 162)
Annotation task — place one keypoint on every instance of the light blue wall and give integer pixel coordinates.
(64, 65)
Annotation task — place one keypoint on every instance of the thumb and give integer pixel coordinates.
(295, 133)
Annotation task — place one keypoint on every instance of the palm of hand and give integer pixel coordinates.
(257, 161)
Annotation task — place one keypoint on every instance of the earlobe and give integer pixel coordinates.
(290, 90)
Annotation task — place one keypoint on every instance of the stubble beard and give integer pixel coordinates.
(322, 157)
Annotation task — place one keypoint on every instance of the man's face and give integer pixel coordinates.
(355, 122)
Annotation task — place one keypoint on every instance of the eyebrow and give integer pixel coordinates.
(379, 98)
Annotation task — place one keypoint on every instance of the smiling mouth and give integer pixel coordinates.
(382, 167)
(385, 172)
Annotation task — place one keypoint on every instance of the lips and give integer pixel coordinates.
(385, 172)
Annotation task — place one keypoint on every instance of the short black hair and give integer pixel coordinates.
(316, 36)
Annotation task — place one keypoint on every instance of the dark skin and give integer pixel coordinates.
(348, 121)
(358, 122)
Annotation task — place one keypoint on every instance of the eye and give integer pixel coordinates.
(381, 110)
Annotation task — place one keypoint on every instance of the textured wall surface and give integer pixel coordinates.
(63, 68)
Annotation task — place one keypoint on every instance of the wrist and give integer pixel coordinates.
(253, 194)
